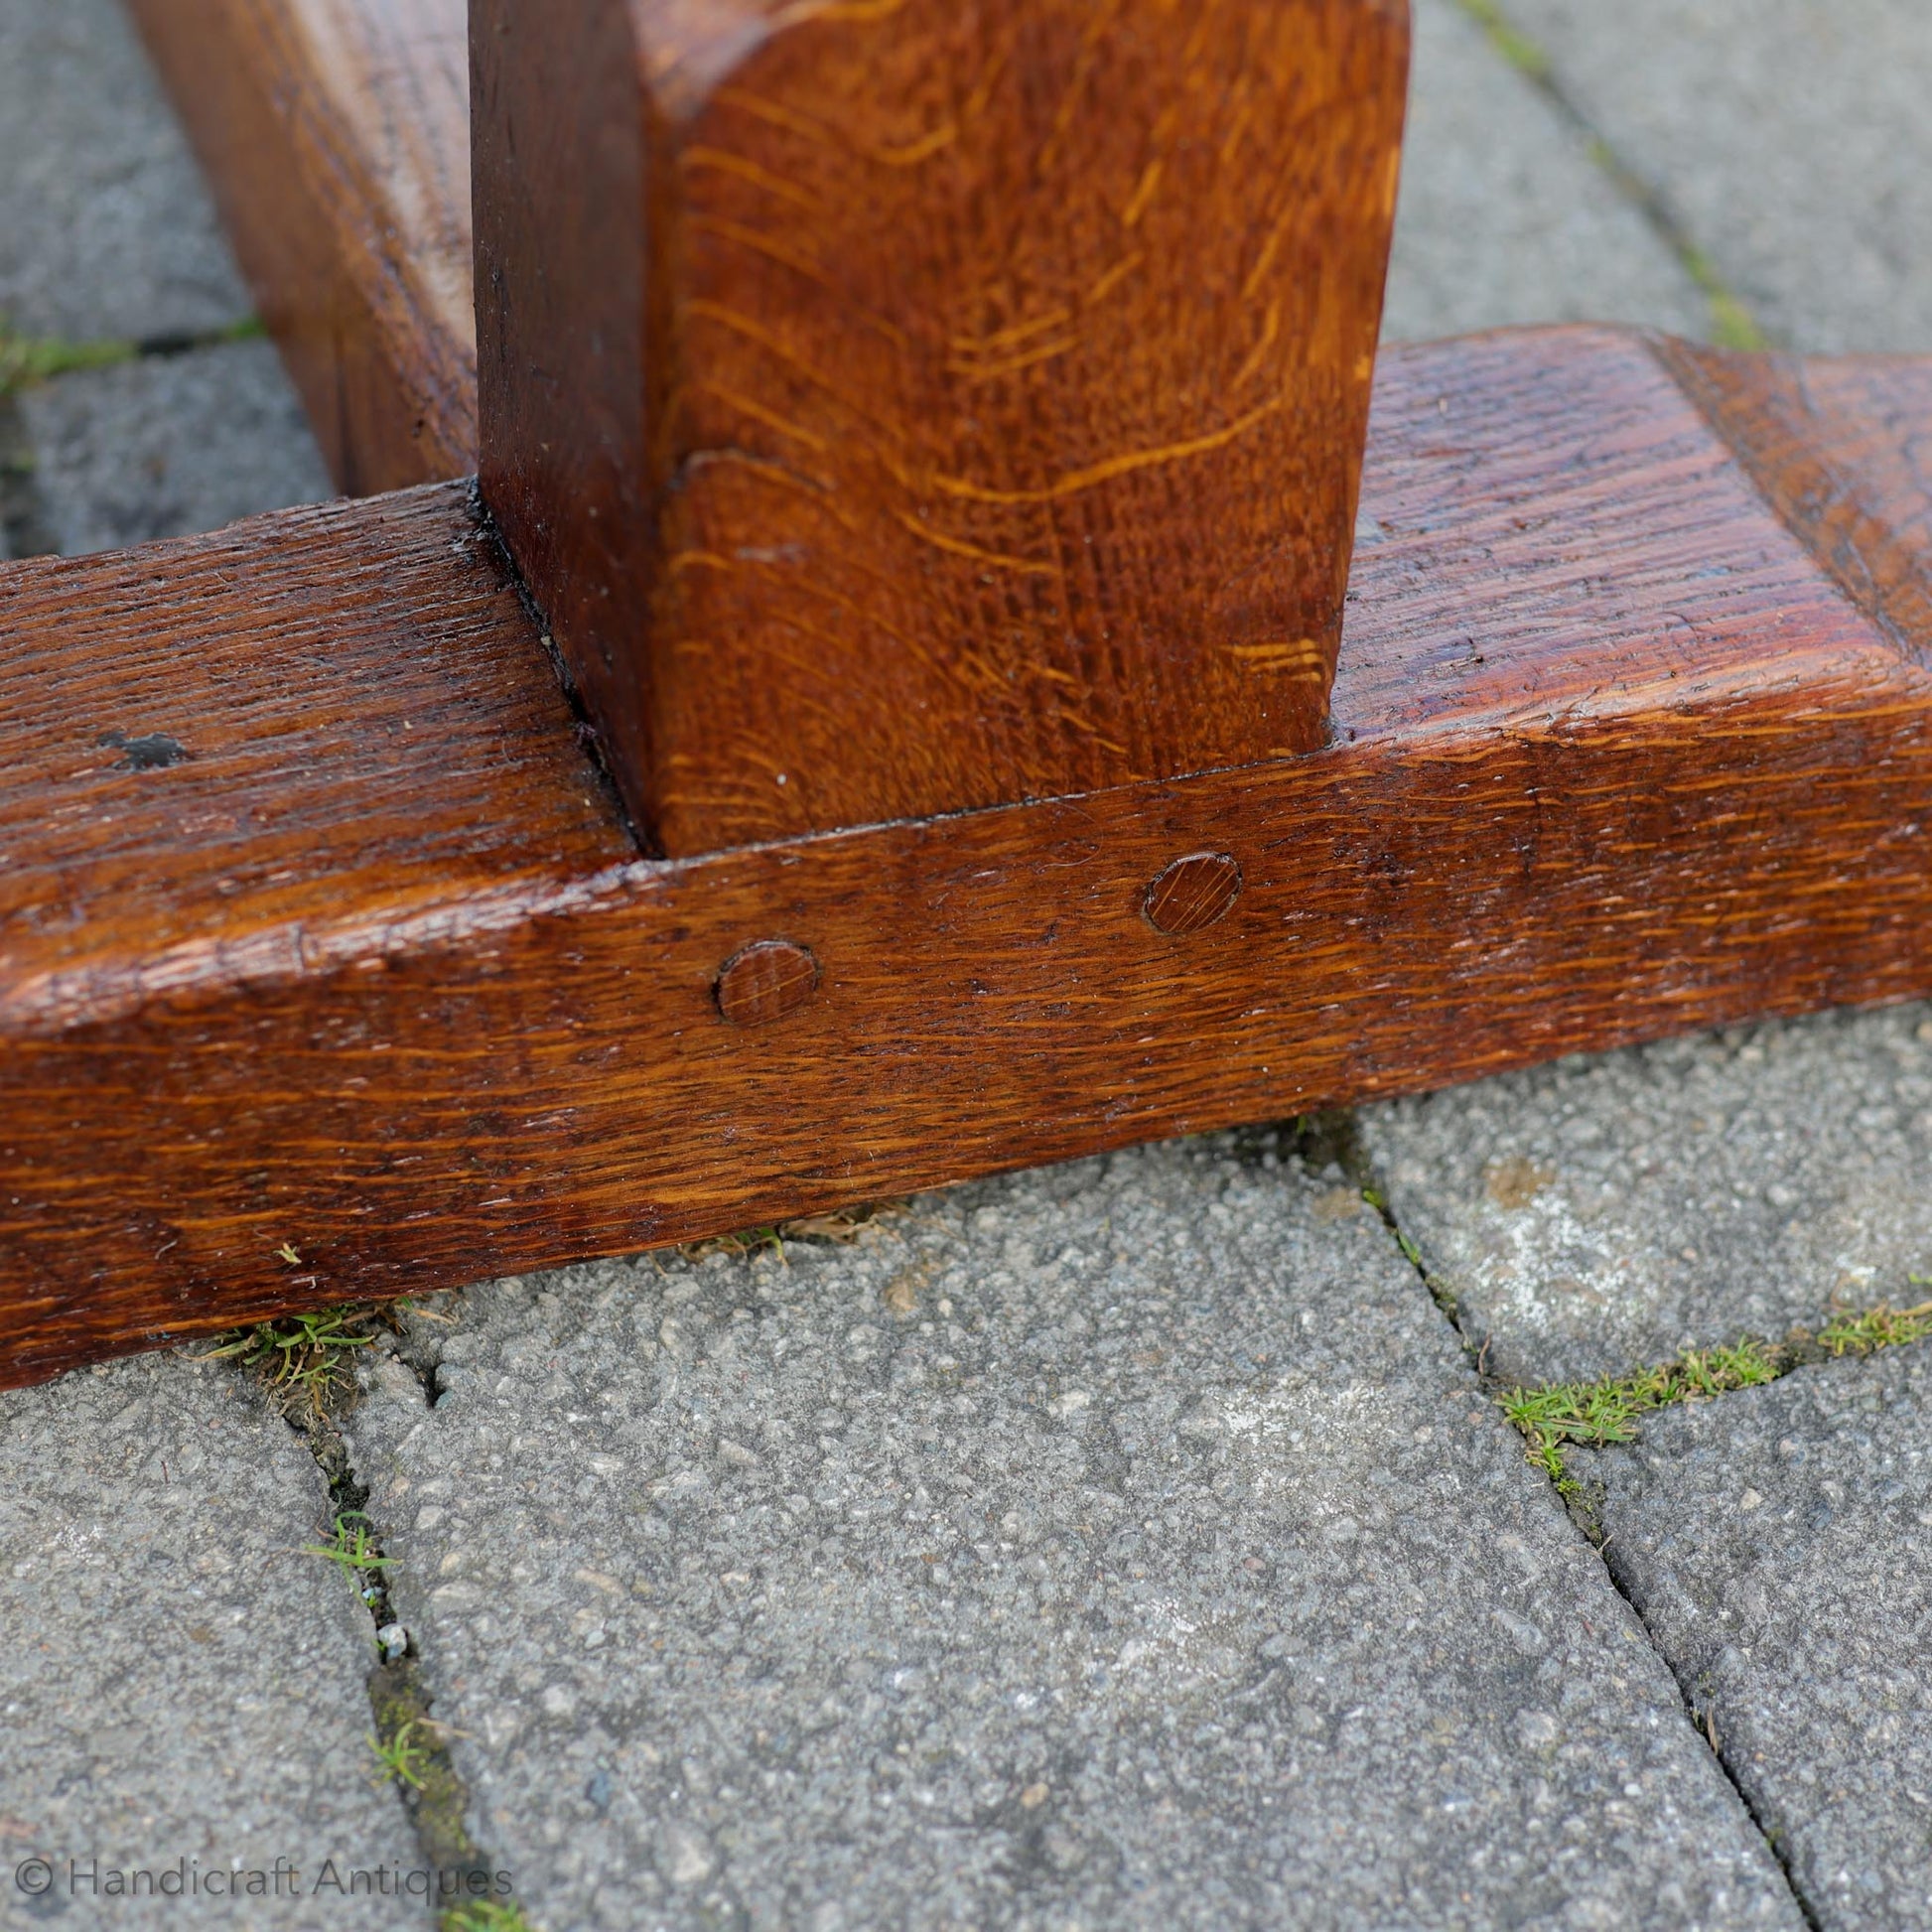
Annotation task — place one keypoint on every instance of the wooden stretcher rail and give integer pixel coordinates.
(337, 136)
(356, 961)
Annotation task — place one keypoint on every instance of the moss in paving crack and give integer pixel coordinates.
(1329, 1138)
(1443, 1294)
(24, 527)
(411, 1750)
(1562, 1415)
(1509, 40)
(1733, 326)
(27, 360)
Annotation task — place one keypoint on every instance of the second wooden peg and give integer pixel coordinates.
(899, 406)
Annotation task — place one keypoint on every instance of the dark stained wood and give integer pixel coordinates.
(336, 135)
(899, 408)
(370, 969)
(1193, 892)
(366, 736)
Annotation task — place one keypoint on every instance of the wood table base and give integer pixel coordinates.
(320, 933)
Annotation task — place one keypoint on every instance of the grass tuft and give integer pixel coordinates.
(353, 1551)
(1879, 1328)
(399, 1758)
(484, 1915)
(747, 1241)
(302, 1359)
(1600, 1412)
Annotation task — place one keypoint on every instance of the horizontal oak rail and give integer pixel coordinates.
(355, 963)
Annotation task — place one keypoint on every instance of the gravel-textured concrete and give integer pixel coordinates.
(1791, 137)
(1606, 1212)
(1504, 216)
(178, 1682)
(168, 445)
(1779, 1545)
(1124, 1545)
(105, 228)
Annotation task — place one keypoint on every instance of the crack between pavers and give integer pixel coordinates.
(1336, 1136)
(1706, 1731)
(1732, 324)
(400, 1698)
(26, 529)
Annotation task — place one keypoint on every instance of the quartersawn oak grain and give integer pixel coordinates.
(907, 409)
(373, 971)
(336, 135)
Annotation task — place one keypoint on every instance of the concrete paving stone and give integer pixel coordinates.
(179, 1683)
(1605, 1212)
(107, 228)
(170, 445)
(1790, 138)
(1504, 218)
(1121, 1544)
(1779, 1546)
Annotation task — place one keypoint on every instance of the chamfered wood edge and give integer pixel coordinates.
(1578, 797)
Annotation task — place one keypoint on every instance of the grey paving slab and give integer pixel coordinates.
(168, 445)
(180, 1689)
(1504, 218)
(1124, 1545)
(105, 228)
(1779, 1545)
(1605, 1212)
(1790, 137)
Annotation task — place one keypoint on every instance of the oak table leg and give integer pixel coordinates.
(900, 409)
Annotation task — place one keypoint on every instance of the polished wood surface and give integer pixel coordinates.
(906, 408)
(370, 971)
(337, 136)
(1842, 448)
